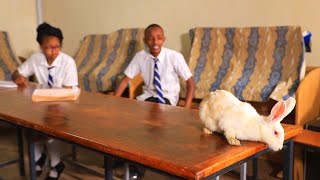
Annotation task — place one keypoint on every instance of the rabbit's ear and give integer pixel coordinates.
(281, 109)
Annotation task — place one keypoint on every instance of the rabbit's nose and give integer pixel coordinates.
(280, 148)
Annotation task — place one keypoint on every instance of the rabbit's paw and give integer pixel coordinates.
(207, 131)
(231, 137)
(234, 141)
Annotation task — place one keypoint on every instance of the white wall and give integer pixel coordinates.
(307, 14)
(78, 18)
(18, 18)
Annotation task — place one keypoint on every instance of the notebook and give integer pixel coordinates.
(8, 84)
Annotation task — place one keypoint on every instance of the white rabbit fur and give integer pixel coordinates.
(221, 111)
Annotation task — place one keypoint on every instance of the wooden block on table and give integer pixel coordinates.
(56, 94)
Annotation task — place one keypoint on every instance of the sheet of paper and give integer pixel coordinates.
(55, 94)
(8, 84)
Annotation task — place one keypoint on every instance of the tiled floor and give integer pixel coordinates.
(89, 164)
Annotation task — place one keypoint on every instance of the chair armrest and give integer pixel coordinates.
(135, 86)
(307, 96)
(310, 68)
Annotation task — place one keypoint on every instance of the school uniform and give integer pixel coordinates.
(171, 65)
(64, 71)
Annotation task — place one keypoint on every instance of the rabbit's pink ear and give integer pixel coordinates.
(277, 110)
(281, 109)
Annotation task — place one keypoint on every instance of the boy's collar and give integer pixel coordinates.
(160, 55)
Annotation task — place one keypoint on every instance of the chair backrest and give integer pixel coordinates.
(8, 61)
(102, 58)
(254, 63)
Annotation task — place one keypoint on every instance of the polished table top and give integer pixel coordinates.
(309, 138)
(163, 137)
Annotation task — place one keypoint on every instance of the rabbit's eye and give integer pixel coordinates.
(275, 133)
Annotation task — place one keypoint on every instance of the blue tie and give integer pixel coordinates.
(157, 82)
(50, 78)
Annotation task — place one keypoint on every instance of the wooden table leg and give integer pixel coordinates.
(288, 160)
(32, 163)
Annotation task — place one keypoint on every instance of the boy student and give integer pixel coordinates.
(52, 68)
(160, 69)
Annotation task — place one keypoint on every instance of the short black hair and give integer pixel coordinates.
(151, 26)
(45, 30)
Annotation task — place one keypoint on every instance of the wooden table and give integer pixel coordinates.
(160, 137)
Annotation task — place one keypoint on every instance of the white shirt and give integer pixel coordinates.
(171, 66)
(64, 72)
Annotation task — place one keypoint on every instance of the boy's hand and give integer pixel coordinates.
(187, 106)
(122, 86)
(190, 92)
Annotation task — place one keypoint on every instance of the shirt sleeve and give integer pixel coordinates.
(133, 68)
(182, 68)
(26, 68)
(71, 77)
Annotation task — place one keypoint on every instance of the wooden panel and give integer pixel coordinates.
(307, 96)
(164, 137)
(309, 138)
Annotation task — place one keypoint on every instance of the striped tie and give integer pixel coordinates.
(157, 82)
(50, 78)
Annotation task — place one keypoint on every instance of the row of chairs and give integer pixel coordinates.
(254, 63)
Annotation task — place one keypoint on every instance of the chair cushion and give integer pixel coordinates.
(254, 63)
(101, 58)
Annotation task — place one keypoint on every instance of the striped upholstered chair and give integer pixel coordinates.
(8, 61)
(256, 64)
(8, 64)
(102, 58)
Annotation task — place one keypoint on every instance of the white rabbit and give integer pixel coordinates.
(221, 111)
